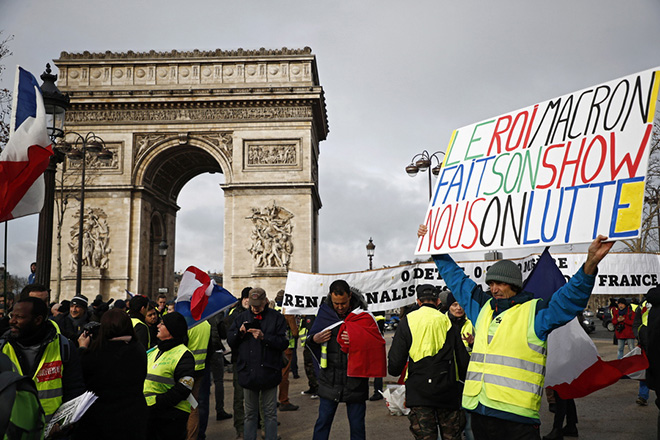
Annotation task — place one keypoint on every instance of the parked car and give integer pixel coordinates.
(588, 324)
(603, 311)
(607, 321)
(588, 313)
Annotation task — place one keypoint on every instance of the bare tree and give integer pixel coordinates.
(5, 94)
(649, 239)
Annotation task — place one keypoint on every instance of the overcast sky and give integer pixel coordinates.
(398, 78)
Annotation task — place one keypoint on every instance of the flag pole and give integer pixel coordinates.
(4, 294)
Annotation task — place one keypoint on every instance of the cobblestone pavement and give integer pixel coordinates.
(610, 413)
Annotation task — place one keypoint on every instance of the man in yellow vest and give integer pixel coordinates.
(198, 343)
(437, 359)
(170, 370)
(38, 351)
(137, 311)
(504, 382)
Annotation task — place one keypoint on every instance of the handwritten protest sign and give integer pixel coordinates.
(561, 171)
(621, 274)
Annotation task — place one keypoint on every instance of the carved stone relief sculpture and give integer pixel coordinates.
(271, 237)
(95, 242)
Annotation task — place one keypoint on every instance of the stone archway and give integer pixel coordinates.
(255, 116)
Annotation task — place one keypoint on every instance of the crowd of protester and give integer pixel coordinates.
(152, 373)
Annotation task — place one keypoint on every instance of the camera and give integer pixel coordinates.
(92, 329)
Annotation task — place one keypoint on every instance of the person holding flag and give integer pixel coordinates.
(506, 373)
(346, 339)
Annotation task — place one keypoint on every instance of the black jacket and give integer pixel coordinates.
(334, 383)
(115, 372)
(653, 340)
(259, 362)
(432, 380)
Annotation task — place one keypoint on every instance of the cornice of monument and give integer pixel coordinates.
(183, 54)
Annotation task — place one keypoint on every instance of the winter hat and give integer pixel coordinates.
(258, 297)
(120, 304)
(505, 271)
(176, 325)
(80, 300)
(245, 293)
(427, 291)
(280, 296)
(622, 301)
(450, 299)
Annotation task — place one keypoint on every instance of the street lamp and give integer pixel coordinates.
(55, 103)
(424, 163)
(162, 251)
(83, 147)
(370, 252)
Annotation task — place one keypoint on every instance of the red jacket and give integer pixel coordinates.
(629, 315)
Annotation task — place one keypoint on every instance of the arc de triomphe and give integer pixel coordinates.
(255, 116)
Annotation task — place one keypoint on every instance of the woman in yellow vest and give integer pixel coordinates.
(170, 370)
(506, 373)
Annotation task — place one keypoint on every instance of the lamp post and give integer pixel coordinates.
(162, 251)
(55, 103)
(89, 145)
(424, 163)
(370, 252)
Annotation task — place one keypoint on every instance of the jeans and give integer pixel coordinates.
(269, 402)
(327, 410)
(239, 408)
(643, 390)
(622, 343)
(492, 428)
(203, 402)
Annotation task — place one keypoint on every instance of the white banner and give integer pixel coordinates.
(561, 171)
(621, 274)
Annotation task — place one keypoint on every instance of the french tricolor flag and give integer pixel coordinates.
(26, 155)
(573, 368)
(200, 298)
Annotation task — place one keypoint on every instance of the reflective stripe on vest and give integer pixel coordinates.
(160, 374)
(137, 322)
(198, 343)
(507, 366)
(48, 376)
(302, 336)
(324, 355)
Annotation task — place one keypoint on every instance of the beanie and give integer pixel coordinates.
(245, 293)
(176, 325)
(450, 299)
(505, 271)
(622, 301)
(280, 296)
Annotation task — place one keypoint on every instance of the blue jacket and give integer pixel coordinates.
(563, 306)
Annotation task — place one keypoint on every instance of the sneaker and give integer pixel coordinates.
(641, 401)
(223, 415)
(288, 407)
(314, 396)
(309, 392)
(376, 396)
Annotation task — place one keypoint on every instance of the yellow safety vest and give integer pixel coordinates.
(137, 322)
(160, 374)
(507, 367)
(198, 343)
(428, 328)
(645, 313)
(466, 330)
(48, 376)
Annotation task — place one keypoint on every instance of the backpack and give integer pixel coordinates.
(21, 414)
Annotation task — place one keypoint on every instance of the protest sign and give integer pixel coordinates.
(621, 274)
(561, 171)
